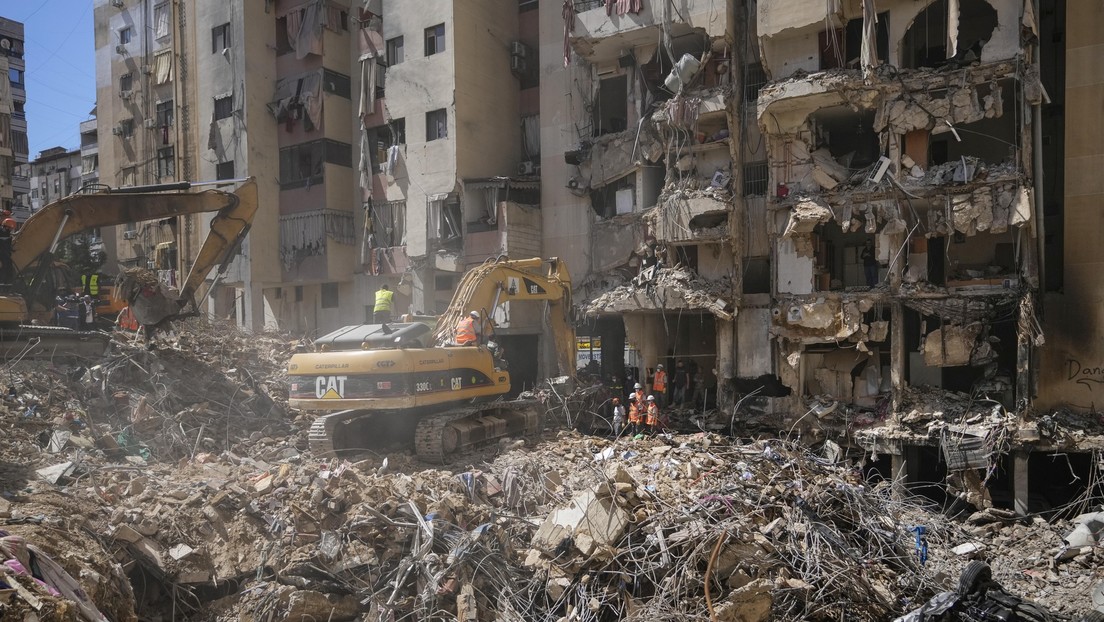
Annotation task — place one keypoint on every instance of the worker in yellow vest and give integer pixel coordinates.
(91, 284)
(382, 311)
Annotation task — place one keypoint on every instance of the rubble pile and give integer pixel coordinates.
(688, 286)
(174, 483)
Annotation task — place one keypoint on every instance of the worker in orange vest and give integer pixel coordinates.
(638, 395)
(635, 418)
(651, 420)
(467, 330)
(126, 320)
(659, 385)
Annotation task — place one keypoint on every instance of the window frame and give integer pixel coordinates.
(164, 113)
(126, 82)
(226, 104)
(329, 295)
(436, 35)
(395, 48)
(126, 34)
(220, 170)
(431, 122)
(222, 31)
(166, 162)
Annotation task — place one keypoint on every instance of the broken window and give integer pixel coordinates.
(847, 374)
(938, 37)
(220, 38)
(283, 43)
(224, 107)
(394, 51)
(166, 164)
(445, 219)
(847, 259)
(962, 344)
(301, 165)
(611, 110)
(757, 275)
(842, 47)
(389, 223)
(848, 135)
(617, 197)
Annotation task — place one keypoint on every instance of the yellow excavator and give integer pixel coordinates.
(381, 383)
(36, 272)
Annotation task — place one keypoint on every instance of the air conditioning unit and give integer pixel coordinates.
(117, 3)
(116, 131)
(517, 64)
(147, 69)
(130, 235)
(125, 94)
(151, 123)
(120, 49)
(517, 48)
(526, 168)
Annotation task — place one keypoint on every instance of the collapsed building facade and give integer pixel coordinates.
(639, 181)
(832, 210)
(904, 166)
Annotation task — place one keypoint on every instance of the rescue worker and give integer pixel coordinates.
(126, 320)
(467, 330)
(659, 385)
(382, 311)
(618, 417)
(638, 394)
(651, 418)
(634, 415)
(91, 284)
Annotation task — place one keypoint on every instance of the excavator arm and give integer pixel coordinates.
(485, 287)
(39, 236)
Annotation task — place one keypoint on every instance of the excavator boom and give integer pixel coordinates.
(38, 237)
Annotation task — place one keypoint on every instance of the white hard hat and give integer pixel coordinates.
(651, 398)
(660, 366)
(637, 386)
(475, 314)
(632, 395)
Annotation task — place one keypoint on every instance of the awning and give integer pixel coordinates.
(501, 182)
(305, 90)
(162, 67)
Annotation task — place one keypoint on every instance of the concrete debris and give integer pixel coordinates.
(952, 346)
(228, 516)
(666, 288)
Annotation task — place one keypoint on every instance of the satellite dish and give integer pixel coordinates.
(5, 43)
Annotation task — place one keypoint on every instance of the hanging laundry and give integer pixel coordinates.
(392, 160)
(569, 27)
(624, 6)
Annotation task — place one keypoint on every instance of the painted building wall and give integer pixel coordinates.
(1072, 361)
(566, 217)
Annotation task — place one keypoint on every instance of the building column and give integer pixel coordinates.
(423, 289)
(1019, 481)
(899, 472)
(896, 355)
(726, 359)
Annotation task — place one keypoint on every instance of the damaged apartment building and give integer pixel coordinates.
(903, 178)
(639, 189)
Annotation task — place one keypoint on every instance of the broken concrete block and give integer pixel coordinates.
(951, 345)
(126, 533)
(310, 605)
(805, 215)
(969, 548)
(587, 514)
(264, 484)
(750, 603)
(180, 551)
(55, 473)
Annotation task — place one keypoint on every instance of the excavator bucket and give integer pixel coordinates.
(153, 302)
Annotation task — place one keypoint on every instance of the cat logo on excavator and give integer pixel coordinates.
(329, 387)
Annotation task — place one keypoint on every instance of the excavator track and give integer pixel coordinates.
(439, 436)
(436, 436)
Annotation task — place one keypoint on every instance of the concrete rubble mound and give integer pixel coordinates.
(174, 484)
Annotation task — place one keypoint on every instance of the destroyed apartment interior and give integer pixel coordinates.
(575, 311)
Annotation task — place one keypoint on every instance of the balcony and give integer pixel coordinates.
(318, 244)
(516, 234)
(600, 38)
